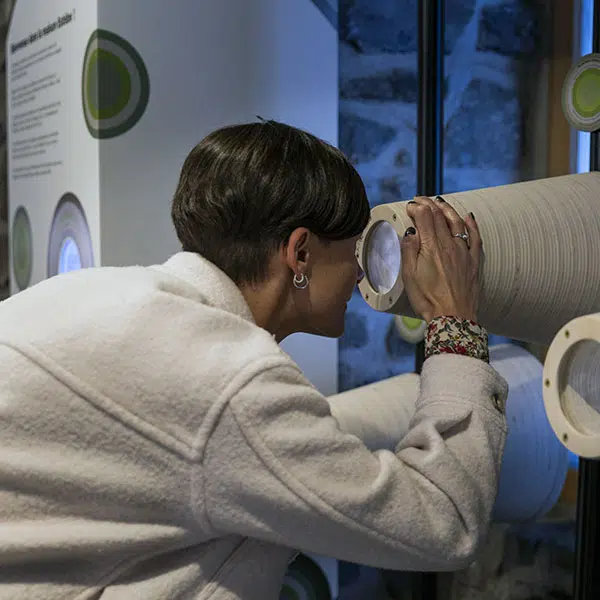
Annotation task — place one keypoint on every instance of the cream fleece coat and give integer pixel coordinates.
(156, 444)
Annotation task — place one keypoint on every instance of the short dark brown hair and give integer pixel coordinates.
(245, 188)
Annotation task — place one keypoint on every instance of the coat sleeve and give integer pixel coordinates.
(277, 467)
(379, 414)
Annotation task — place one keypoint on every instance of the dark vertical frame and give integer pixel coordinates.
(430, 159)
(586, 585)
(430, 117)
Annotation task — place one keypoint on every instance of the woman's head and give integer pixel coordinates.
(264, 200)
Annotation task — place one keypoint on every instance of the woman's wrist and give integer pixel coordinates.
(456, 314)
(455, 335)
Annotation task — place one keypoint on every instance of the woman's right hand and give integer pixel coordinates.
(440, 271)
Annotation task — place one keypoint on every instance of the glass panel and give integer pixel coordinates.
(505, 63)
(377, 130)
(504, 124)
(378, 115)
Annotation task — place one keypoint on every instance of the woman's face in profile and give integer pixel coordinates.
(335, 273)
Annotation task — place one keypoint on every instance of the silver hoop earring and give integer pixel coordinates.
(300, 283)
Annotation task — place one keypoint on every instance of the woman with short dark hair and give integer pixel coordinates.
(244, 189)
(156, 441)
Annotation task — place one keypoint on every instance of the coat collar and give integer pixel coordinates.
(218, 289)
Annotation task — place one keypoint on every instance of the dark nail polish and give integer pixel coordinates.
(440, 199)
(410, 231)
(472, 216)
(412, 202)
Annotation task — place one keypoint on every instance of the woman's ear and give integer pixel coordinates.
(297, 251)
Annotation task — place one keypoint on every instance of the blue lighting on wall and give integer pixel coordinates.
(586, 28)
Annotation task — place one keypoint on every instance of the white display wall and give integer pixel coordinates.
(105, 100)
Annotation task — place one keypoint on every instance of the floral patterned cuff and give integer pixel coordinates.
(449, 335)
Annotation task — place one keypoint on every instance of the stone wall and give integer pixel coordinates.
(494, 52)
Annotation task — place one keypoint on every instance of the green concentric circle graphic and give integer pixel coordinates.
(410, 329)
(581, 94)
(586, 93)
(115, 85)
(22, 249)
(70, 244)
(411, 323)
(304, 580)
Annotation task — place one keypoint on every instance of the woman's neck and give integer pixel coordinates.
(268, 302)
